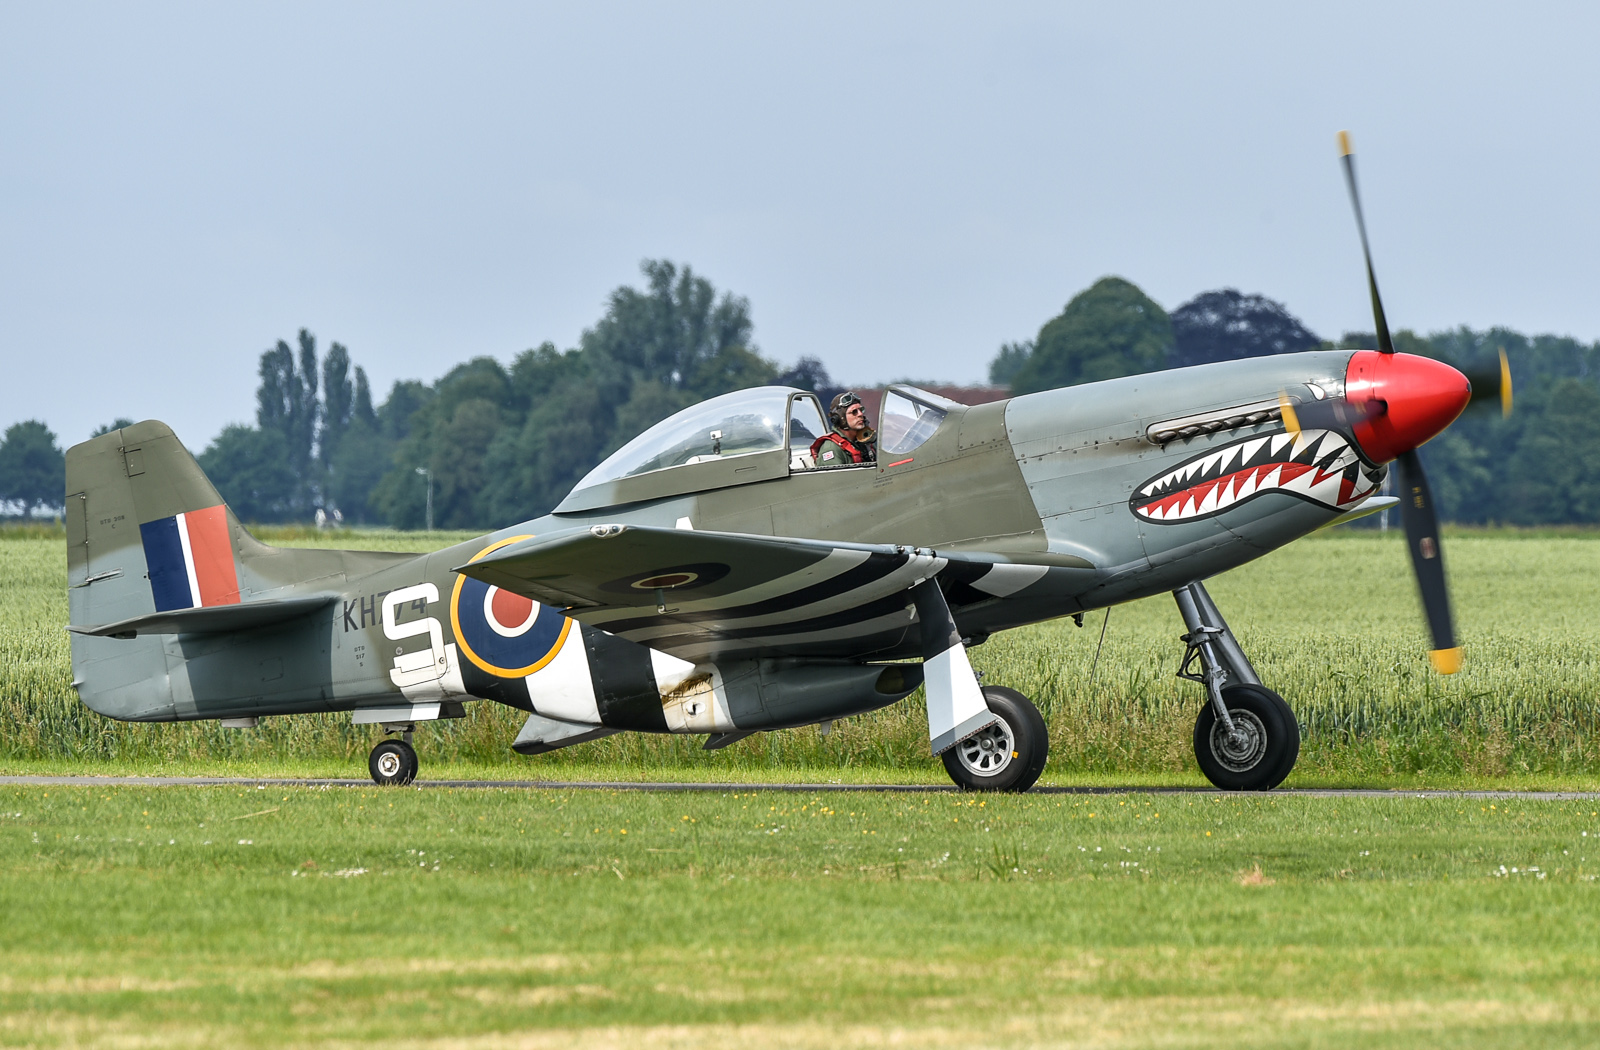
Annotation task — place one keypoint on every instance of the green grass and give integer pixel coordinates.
(501, 918)
(1331, 622)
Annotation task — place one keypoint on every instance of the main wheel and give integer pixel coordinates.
(1009, 755)
(393, 762)
(1263, 747)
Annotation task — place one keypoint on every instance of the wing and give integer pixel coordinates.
(702, 595)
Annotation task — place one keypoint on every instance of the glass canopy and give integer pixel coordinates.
(736, 424)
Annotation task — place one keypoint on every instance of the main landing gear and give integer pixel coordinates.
(1009, 755)
(1246, 737)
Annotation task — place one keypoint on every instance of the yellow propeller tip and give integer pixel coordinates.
(1291, 422)
(1446, 661)
(1345, 149)
(1505, 385)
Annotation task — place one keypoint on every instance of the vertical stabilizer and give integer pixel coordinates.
(146, 532)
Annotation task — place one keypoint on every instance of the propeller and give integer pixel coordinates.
(1347, 154)
(1417, 512)
(1492, 382)
(1421, 524)
(1336, 413)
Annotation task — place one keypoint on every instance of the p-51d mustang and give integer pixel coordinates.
(708, 578)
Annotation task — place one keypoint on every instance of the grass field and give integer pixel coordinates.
(139, 917)
(1330, 622)
(500, 918)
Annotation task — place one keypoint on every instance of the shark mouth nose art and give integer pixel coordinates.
(1318, 466)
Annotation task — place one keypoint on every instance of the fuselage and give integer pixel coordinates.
(1096, 494)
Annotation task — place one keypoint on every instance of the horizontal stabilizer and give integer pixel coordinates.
(216, 619)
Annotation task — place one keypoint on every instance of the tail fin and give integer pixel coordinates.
(147, 533)
(139, 508)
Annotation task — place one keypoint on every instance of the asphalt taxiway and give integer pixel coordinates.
(803, 788)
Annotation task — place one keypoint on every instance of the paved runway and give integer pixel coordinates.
(622, 785)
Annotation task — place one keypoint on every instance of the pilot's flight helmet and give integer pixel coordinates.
(841, 403)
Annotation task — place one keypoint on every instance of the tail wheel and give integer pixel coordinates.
(1009, 755)
(1262, 748)
(393, 763)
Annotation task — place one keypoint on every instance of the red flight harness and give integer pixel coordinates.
(850, 448)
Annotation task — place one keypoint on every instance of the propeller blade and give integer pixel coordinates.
(1421, 523)
(1493, 382)
(1335, 413)
(1385, 344)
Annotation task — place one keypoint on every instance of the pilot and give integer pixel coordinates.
(852, 440)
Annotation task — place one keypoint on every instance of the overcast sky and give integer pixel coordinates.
(897, 189)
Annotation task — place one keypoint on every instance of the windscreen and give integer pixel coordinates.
(906, 423)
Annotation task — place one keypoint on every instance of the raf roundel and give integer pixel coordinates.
(505, 634)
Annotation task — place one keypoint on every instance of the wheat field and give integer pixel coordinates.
(1331, 622)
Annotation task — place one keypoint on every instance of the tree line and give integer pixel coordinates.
(496, 443)
(503, 443)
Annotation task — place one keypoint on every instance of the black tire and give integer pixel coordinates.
(1270, 746)
(392, 763)
(978, 764)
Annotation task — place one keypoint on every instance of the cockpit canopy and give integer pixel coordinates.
(737, 424)
(737, 438)
(741, 437)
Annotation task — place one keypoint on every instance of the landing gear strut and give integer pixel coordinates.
(1246, 737)
(1007, 756)
(394, 762)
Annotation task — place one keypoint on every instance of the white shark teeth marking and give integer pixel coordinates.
(1223, 495)
(1325, 466)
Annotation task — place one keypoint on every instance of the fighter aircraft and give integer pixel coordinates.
(712, 578)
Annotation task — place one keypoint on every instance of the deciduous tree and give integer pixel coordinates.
(1108, 330)
(33, 470)
(1225, 325)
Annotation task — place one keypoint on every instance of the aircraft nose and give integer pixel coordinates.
(1423, 396)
